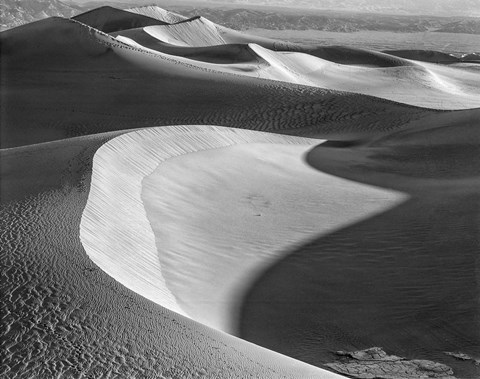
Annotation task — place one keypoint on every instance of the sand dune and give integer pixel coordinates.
(196, 269)
(371, 73)
(404, 160)
(109, 19)
(152, 88)
(420, 84)
(414, 265)
(158, 13)
(63, 316)
(194, 32)
(425, 56)
(227, 53)
(227, 215)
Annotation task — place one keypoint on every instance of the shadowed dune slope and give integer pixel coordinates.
(160, 38)
(337, 54)
(52, 44)
(412, 284)
(192, 32)
(108, 19)
(227, 53)
(434, 157)
(410, 82)
(425, 55)
(64, 317)
(70, 80)
(201, 277)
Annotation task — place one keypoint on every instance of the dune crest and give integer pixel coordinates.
(195, 32)
(109, 19)
(158, 13)
(190, 246)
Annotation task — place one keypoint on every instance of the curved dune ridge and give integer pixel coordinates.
(158, 13)
(117, 236)
(416, 83)
(60, 59)
(209, 270)
(195, 33)
(180, 199)
(62, 316)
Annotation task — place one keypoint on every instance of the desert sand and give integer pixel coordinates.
(181, 200)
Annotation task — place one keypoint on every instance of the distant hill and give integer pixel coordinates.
(333, 21)
(18, 12)
(405, 7)
(463, 26)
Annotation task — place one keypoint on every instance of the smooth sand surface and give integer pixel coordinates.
(158, 13)
(195, 33)
(219, 223)
(197, 270)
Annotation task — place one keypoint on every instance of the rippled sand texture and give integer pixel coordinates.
(62, 316)
(165, 202)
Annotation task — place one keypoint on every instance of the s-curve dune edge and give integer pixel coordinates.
(198, 211)
(204, 251)
(62, 316)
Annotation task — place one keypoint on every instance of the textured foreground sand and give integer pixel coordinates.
(64, 317)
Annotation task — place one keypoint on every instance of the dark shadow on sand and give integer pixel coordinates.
(407, 280)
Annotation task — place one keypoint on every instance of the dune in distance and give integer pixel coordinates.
(183, 200)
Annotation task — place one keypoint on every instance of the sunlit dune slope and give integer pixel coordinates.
(425, 56)
(69, 79)
(414, 83)
(196, 270)
(360, 71)
(189, 32)
(418, 83)
(158, 13)
(194, 32)
(225, 53)
(65, 317)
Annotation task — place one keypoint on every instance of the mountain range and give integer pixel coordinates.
(17, 12)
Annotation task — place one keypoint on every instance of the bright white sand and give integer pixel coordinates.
(158, 13)
(421, 84)
(224, 204)
(115, 232)
(63, 316)
(416, 83)
(195, 33)
(223, 216)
